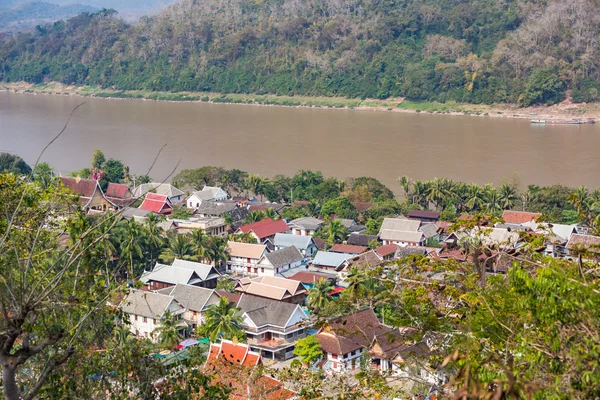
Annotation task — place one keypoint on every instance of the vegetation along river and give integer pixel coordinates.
(271, 140)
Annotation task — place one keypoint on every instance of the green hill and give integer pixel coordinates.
(476, 51)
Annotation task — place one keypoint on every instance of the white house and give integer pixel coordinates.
(402, 232)
(306, 226)
(305, 244)
(194, 299)
(244, 257)
(173, 194)
(279, 261)
(146, 309)
(208, 193)
(181, 271)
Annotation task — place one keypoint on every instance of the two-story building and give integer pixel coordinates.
(208, 193)
(279, 261)
(91, 197)
(211, 226)
(146, 309)
(244, 257)
(264, 230)
(402, 232)
(194, 299)
(305, 226)
(273, 287)
(305, 244)
(181, 271)
(166, 189)
(272, 327)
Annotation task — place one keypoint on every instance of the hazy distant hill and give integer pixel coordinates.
(28, 15)
(477, 51)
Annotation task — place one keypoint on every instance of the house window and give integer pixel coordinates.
(248, 260)
(256, 270)
(334, 356)
(195, 314)
(153, 321)
(135, 317)
(145, 319)
(248, 269)
(262, 270)
(289, 335)
(351, 353)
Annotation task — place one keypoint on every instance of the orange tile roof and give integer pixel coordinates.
(348, 248)
(519, 217)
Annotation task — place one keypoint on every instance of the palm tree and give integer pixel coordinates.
(405, 185)
(475, 199)
(353, 279)
(200, 240)
(178, 246)
(132, 242)
(255, 216)
(169, 330)
(221, 320)
(242, 238)
(154, 235)
(256, 184)
(216, 251)
(507, 196)
(419, 193)
(461, 195)
(437, 191)
(579, 200)
(318, 295)
(371, 289)
(313, 209)
(492, 199)
(105, 246)
(270, 213)
(335, 231)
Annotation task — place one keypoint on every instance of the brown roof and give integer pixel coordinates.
(360, 206)
(586, 241)
(423, 214)
(348, 248)
(232, 297)
(82, 187)
(346, 334)
(360, 239)
(118, 190)
(309, 277)
(391, 342)
(365, 260)
(519, 217)
(320, 243)
(271, 287)
(386, 250)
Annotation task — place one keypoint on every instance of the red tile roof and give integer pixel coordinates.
(232, 297)
(308, 277)
(348, 248)
(386, 250)
(519, 217)
(82, 187)
(320, 243)
(157, 203)
(265, 228)
(118, 190)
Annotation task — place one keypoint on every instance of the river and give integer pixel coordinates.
(278, 140)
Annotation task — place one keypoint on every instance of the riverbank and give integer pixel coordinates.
(565, 110)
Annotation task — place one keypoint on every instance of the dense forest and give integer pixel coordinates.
(477, 51)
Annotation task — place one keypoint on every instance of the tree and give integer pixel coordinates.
(543, 87)
(13, 164)
(243, 238)
(169, 330)
(132, 243)
(272, 214)
(226, 283)
(507, 196)
(98, 159)
(42, 174)
(178, 246)
(335, 231)
(181, 212)
(216, 251)
(154, 236)
(114, 170)
(256, 184)
(308, 349)
(221, 321)
(341, 207)
(200, 240)
(255, 216)
(318, 295)
(52, 300)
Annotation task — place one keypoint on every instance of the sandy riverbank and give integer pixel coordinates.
(564, 110)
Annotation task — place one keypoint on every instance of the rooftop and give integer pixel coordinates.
(307, 223)
(263, 311)
(287, 239)
(160, 188)
(519, 217)
(423, 214)
(191, 297)
(287, 255)
(246, 250)
(329, 259)
(348, 248)
(265, 228)
(146, 304)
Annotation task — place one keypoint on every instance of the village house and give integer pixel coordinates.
(387, 252)
(272, 327)
(211, 226)
(244, 257)
(194, 299)
(165, 189)
(119, 194)
(306, 226)
(330, 262)
(365, 260)
(264, 230)
(578, 243)
(279, 261)
(181, 271)
(424, 216)
(146, 309)
(208, 193)
(157, 203)
(91, 197)
(402, 232)
(233, 364)
(348, 248)
(344, 340)
(305, 244)
(351, 225)
(274, 288)
(519, 217)
(359, 239)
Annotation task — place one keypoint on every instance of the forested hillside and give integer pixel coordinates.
(31, 14)
(478, 51)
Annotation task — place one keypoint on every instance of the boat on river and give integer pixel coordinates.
(564, 121)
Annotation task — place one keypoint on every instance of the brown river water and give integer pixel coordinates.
(272, 140)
